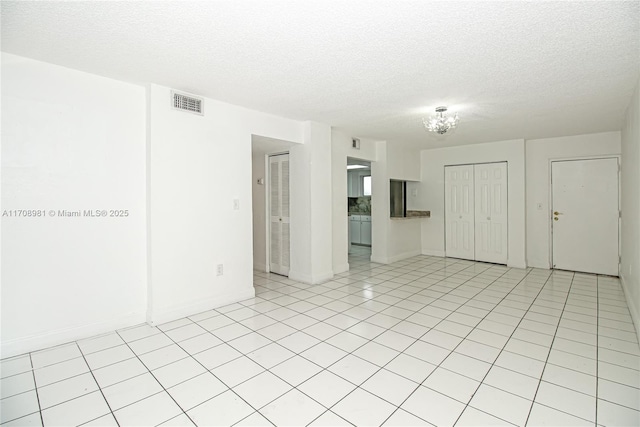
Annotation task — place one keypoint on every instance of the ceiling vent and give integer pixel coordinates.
(182, 102)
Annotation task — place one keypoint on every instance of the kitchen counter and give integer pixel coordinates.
(413, 215)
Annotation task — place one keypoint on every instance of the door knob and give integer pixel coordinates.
(556, 213)
(279, 219)
(555, 218)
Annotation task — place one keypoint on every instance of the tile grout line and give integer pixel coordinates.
(35, 384)
(533, 301)
(154, 377)
(401, 273)
(231, 389)
(99, 388)
(533, 400)
(416, 340)
(357, 386)
(566, 297)
(597, 343)
(453, 350)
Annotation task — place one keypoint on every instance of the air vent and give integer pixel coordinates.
(188, 103)
(355, 143)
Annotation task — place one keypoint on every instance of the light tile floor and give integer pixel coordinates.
(417, 342)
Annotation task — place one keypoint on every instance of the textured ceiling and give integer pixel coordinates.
(373, 68)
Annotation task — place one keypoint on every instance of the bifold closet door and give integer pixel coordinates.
(459, 212)
(476, 212)
(491, 212)
(279, 239)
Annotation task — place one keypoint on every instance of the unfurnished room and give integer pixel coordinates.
(320, 213)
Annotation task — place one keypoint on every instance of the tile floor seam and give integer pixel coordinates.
(533, 400)
(99, 388)
(597, 344)
(229, 388)
(161, 385)
(358, 385)
(447, 285)
(440, 364)
(467, 404)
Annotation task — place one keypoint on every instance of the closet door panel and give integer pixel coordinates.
(491, 212)
(459, 212)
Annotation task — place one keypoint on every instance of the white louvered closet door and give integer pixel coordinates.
(279, 248)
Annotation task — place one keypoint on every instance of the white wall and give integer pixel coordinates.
(198, 165)
(311, 177)
(630, 266)
(380, 205)
(432, 191)
(258, 197)
(340, 150)
(539, 153)
(74, 141)
(404, 163)
(404, 235)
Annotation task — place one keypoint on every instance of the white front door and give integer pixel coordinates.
(279, 246)
(585, 215)
(491, 212)
(459, 212)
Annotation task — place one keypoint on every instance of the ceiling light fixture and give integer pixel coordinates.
(441, 123)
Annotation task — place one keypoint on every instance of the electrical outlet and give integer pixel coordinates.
(236, 204)
(219, 270)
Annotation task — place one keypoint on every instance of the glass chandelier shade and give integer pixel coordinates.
(441, 123)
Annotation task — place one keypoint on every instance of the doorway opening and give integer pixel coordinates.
(270, 243)
(359, 198)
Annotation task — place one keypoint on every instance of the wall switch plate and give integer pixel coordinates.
(219, 270)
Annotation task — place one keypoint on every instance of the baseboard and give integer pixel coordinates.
(404, 255)
(259, 267)
(432, 252)
(169, 314)
(340, 269)
(62, 336)
(379, 259)
(516, 264)
(309, 279)
(633, 307)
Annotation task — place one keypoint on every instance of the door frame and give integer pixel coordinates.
(267, 207)
(618, 157)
